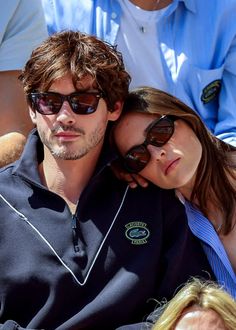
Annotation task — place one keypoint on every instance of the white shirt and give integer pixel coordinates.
(137, 39)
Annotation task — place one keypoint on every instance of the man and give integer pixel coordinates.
(22, 28)
(168, 44)
(78, 248)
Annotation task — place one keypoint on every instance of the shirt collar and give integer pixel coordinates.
(180, 197)
(189, 4)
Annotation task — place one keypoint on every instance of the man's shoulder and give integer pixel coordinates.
(151, 192)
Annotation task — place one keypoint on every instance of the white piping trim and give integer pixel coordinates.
(108, 232)
(54, 251)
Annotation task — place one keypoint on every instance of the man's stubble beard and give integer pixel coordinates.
(63, 152)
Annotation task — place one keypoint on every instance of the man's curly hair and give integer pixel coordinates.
(80, 55)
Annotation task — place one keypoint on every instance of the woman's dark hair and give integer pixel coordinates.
(216, 169)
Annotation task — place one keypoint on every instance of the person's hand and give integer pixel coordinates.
(133, 179)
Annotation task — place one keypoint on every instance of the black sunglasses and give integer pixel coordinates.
(50, 103)
(158, 133)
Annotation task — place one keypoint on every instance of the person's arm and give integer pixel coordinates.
(23, 28)
(15, 122)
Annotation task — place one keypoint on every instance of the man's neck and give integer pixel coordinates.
(151, 4)
(67, 178)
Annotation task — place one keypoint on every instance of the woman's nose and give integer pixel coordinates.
(156, 152)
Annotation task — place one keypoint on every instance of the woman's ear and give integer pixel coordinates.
(115, 114)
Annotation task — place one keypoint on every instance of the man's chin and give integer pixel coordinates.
(68, 155)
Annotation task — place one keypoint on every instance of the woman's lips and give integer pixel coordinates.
(171, 165)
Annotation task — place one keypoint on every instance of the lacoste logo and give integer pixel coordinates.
(137, 232)
(211, 91)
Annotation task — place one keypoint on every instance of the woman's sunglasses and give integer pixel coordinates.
(158, 133)
(50, 103)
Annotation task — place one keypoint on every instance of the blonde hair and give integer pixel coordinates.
(204, 294)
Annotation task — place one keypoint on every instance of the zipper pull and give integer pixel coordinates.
(75, 233)
(74, 221)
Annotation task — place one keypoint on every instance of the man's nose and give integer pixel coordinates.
(66, 114)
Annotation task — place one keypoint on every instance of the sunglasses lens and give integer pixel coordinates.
(158, 133)
(47, 104)
(51, 103)
(84, 104)
(136, 159)
(161, 132)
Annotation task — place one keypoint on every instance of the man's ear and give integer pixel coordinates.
(32, 115)
(115, 114)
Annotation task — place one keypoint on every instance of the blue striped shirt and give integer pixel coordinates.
(202, 228)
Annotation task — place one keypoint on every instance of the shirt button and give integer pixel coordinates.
(113, 15)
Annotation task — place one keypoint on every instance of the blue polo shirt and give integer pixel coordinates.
(197, 47)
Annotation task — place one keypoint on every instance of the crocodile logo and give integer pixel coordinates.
(137, 232)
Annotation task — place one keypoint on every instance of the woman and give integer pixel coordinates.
(164, 141)
(198, 305)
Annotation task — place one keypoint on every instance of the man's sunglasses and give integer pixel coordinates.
(50, 103)
(158, 133)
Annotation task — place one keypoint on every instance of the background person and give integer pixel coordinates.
(169, 45)
(75, 242)
(22, 27)
(199, 305)
(164, 141)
